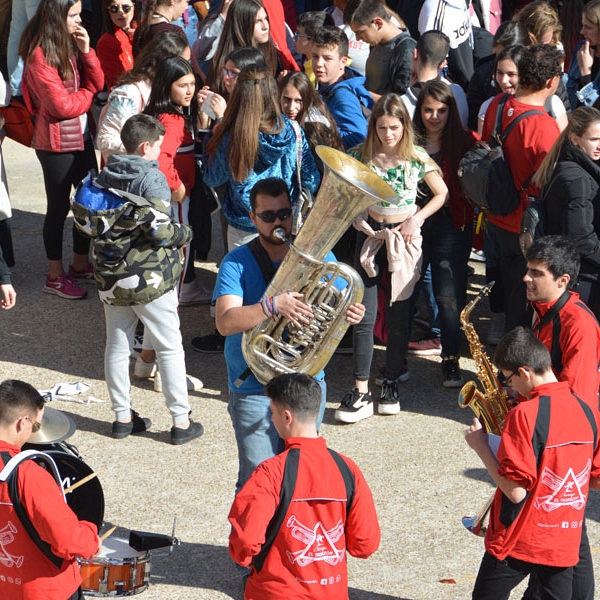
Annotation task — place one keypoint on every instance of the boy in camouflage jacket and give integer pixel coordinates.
(138, 260)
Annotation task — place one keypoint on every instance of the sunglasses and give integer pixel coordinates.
(115, 8)
(229, 73)
(301, 35)
(269, 216)
(35, 425)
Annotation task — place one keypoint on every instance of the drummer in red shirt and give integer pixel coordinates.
(46, 569)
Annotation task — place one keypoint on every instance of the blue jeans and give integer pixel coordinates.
(255, 433)
(447, 251)
(22, 12)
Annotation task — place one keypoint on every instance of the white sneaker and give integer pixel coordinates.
(193, 383)
(194, 293)
(143, 369)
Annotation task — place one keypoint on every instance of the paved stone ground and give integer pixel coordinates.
(423, 476)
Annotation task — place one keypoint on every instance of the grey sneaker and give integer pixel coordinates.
(355, 407)
(389, 401)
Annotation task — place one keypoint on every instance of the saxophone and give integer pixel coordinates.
(492, 404)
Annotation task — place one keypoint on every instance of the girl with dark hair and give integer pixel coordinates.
(301, 103)
(569, 178)
(114, 48)
(246, 24)
(506, 78)
(389, 240)
(132, 91)
(158, 17)
(448, 234)
(254, 141)
(173, 102)
(62, 75)
(236, 60)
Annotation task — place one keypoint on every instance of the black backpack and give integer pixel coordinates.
(484, 173)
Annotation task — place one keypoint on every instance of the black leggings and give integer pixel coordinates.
(63, 170)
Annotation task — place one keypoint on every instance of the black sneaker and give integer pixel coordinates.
(389, 401)
(355, 407)
(136, 425)
(452, 377)
(181, 436)
(213, 343)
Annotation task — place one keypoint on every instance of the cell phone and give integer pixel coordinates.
(206, 108)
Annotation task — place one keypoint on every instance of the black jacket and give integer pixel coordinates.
(572, 201)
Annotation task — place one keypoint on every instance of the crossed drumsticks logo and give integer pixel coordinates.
(320, 543)
(7, 537)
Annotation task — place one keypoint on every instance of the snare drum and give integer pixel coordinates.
(118, 570)
(86, 501)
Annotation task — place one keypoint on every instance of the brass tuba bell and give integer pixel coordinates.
(278, 346)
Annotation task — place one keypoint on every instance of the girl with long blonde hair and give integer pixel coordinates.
(389, 239)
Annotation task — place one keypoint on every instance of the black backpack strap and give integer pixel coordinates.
(267, 269)
(288, 485)
(348, 477)
(13, 491)
(263, 259)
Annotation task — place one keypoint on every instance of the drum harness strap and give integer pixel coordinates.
(288, 485)
(268, 272)
(8, 475)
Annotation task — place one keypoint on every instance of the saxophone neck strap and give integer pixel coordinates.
(265, 264)
(552, 312)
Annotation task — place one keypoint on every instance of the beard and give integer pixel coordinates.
(272, 239)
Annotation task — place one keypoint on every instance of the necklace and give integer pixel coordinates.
(157, 15)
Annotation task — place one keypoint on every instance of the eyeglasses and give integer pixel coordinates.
(269, 216)
(115, 8)
(229, 73)
(35, 425)
(513, 374)
(301, 35)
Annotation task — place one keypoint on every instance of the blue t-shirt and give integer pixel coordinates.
(240, 275)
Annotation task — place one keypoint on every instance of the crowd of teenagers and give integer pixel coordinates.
(228, 116)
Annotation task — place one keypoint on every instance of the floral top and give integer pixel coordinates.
(404, 180)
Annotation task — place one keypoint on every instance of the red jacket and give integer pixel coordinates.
(308, 558)
(545, 528)
(525, 147)
(573, 340)
(115, 53)
(58, 104)
(177, 160)
(25, 573)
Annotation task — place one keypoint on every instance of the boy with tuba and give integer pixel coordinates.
(547, 460)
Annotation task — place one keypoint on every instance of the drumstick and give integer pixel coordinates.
(84, 480)
(109, 532)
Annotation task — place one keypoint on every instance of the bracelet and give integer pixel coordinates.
(275, 311)
(265, 308)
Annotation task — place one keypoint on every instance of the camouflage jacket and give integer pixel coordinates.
(137, 246)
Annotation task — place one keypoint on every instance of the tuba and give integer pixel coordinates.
(277, 345)
(490, 406)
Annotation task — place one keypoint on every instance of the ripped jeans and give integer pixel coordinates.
(447, 250)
